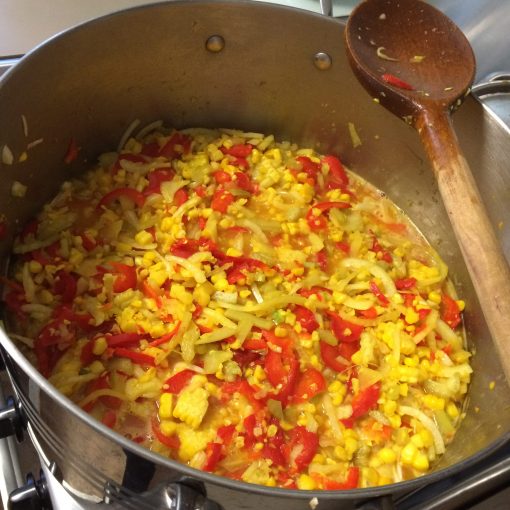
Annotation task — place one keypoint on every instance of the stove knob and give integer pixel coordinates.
(11, 419)
(33, 495)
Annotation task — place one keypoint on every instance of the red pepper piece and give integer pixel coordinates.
(363, 402)
(255, 344)
(221, 177)
(124, 339)
(380, 251)
(281, 368)
(166, 338)
(310, 383)
(396, 82)
(156, 178)
(405, 283)
(240, 150)
(306, 318)
(83, 320)
(226, 433)
(450, 311)
(330, 354)
(178, 382)
(301, 448)
(343, 246)
(243, 182)
(314, 290)
(102, 383)
(345, 331)
(351, 481)
(72, 151)
(337, 176)
(177, 145)
(171, 442)
(214, 454)
(221, 200)
(180, 197)
(376, 291)
(89, 243)
(320, 222)
(132, 194)
(241, 386)
(109, 418)
(65, 286)
(126, 276)
(87, 355)
(370, 313)
(309, 167)
(136, 357)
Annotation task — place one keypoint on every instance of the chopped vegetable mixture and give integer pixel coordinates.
(247, 307)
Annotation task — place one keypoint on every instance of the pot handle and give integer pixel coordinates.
(326, 7)
(185, 494)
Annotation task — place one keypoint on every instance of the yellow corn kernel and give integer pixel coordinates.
(339, 297)
(433, 402)
(351, 445)
(408, 453)
(302, 420)
(96, 367)
(452, 410)
(404, 389)
(180, 293)
(244, 293)
(389, 407)
(371, 476)
(258, 447)
(411, 361)
(45, 297)
(492, 385)
(306, 483)
(306, 343)
(99, 346)
(395, 421)
(143, 237)
(411, 317)
(34, 266)
(417, 440)
(314, 361)
(259, 374)
(421, 462)
(280, 332)
(232, 252)
(461, 304)
(201, 295)
(272, 430)
(426, 437)
(387, 455)
(168, 427)
(435, 297)
(165, 405)
(337, 399)
(221, 284)
(335, 386)
(298, 271)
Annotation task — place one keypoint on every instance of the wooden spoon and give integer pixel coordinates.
(419, 65)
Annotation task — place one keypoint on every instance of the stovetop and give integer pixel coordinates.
(26, 23)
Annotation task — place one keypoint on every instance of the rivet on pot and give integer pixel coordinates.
(322, 61)
(215, 43)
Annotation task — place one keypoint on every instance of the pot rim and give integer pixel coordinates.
(43, 384)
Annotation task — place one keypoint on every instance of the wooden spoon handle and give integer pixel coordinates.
(481, 250)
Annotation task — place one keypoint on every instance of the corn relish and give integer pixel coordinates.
(247, 307)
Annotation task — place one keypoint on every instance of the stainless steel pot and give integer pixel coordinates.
(257, 67)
